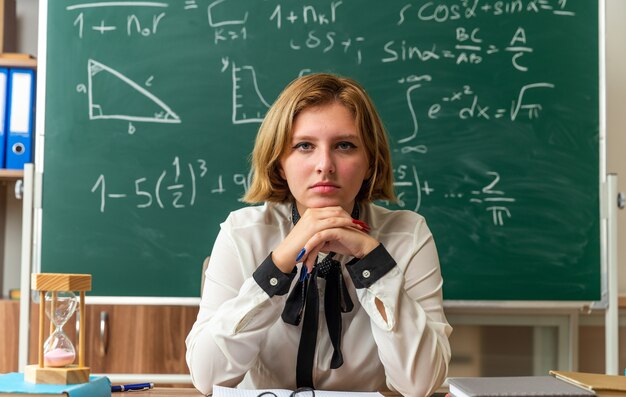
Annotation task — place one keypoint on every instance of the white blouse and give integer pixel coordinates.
(239, 337)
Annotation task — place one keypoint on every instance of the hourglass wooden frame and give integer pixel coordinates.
(57, 282)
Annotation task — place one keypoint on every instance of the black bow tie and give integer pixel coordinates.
(305, 297)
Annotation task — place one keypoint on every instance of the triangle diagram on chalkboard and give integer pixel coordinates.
(114, 96)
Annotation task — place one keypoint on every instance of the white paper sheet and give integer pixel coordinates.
(219, 391)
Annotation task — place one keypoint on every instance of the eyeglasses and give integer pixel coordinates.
(299, 392)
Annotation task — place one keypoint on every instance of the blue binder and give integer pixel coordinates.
(19, 125)
(4, 82)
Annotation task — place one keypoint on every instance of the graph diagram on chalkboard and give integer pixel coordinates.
(492, 107)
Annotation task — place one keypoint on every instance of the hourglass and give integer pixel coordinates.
(56, 355)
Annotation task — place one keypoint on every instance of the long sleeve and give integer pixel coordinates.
(234, 318)
(413, 343)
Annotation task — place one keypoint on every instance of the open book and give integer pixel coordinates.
(219, 391)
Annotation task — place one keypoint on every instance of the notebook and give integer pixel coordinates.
(13, 384)
(519, 386)
(602, 385)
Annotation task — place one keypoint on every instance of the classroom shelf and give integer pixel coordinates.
(17, 61)
(11, 174)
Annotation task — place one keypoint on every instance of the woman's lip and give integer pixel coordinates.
(324, 184)
(324, 188)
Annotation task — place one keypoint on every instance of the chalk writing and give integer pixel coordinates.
(420, 98)
(495, 200)
(176, 187)
(328, 41)
(411, 191)
(306, 15)
(431, 11)
(228, 27)
(407, 183)
(470, 48)
(134, 24)
(165, 191)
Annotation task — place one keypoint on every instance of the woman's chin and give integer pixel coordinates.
(322, 203)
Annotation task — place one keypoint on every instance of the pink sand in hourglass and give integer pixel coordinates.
(58, 358)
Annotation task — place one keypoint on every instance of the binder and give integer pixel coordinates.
(19, 125)
(4, 82)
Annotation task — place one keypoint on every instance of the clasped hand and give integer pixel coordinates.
(323, 230)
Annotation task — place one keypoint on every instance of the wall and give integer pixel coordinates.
(27, 19)
(12, 239)
(591, 358)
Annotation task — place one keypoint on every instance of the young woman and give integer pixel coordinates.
(319, 287)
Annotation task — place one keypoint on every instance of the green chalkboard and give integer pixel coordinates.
(151, 109)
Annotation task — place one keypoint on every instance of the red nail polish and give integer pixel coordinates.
(364, 225)
(361, 223)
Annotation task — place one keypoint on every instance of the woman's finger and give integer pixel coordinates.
(343, 241)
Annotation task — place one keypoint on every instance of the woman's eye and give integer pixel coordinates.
(346, 145)
(303, 146)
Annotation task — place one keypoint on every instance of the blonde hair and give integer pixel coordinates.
(274, 137)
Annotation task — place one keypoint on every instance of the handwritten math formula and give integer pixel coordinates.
(176, 187)
(493, 201)
(406, 58)
(179, 185)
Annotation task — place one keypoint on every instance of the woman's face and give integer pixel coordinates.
(325, 163)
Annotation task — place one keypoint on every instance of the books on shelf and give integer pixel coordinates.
(17, 111)
(19, 117)
(4, 85)
(515, 386)
(13, 384)
(602, 385)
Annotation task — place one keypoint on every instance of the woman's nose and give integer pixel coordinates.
(325, 162)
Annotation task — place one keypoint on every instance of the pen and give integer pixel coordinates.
(132, 387)
(303, 272)
(301, 254)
